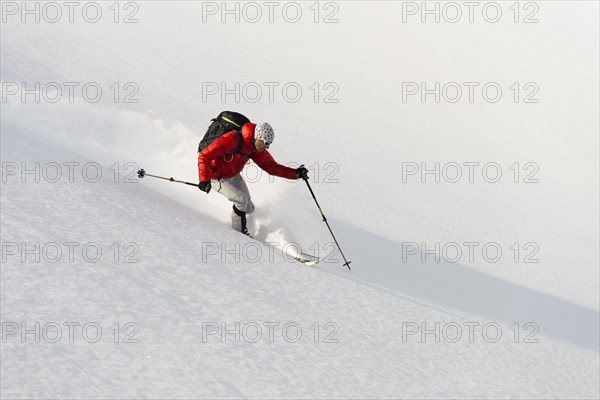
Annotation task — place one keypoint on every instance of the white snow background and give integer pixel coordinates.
(180, 272)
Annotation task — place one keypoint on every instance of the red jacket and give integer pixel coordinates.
(214, 162)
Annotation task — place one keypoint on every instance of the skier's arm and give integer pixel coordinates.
(268, 163)
(223, 145)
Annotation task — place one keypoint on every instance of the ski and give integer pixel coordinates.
(297, 255)
(307, 259)
(303, 258)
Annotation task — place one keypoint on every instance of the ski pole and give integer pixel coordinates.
(141, 173)
(347, 263)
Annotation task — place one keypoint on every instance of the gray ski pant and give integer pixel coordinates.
(236, 191)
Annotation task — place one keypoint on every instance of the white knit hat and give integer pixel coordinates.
(264, 132)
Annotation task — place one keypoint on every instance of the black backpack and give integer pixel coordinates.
(225, 122)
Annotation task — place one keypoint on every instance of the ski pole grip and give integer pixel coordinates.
(305, 178)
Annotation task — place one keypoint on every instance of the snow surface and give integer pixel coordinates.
(192, 273)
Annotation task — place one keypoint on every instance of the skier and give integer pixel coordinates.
(220, 164)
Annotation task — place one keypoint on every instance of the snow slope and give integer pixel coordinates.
(193, 273)
(173, 296)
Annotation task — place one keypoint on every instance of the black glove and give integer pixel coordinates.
(204, 186)
(301, 172)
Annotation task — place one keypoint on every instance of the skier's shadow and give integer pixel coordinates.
(379, 260)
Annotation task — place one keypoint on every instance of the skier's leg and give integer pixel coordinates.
(236, 190)
(238, 220)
